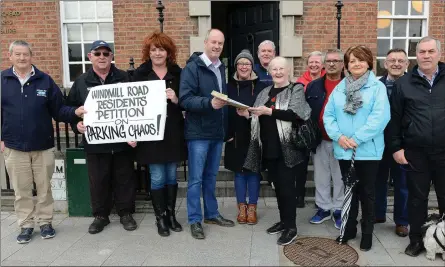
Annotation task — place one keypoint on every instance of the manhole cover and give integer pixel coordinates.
(318, 251)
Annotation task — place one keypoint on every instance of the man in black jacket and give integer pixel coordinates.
(110, 166)
(418, 134)
(396, 63)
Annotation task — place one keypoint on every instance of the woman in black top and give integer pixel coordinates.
(163, 157)
(275, 111)
(244, 88)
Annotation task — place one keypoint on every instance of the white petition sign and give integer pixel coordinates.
(125, 112)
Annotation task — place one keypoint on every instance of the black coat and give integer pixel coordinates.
(417, 112)
(239, 127)
(77, 96)
(173, 147)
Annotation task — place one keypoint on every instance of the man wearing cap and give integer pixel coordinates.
(30, 102)
(110, 166)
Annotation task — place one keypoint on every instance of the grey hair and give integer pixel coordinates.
(265, 42)
(209, 31)
(332, 51)
(315, 53)
(427, 39)
(19, 43)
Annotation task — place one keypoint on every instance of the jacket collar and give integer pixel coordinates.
(10, 73)
(113, 75)
(173, 70)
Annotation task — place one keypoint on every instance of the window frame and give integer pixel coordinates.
(425, 24)
(64, 33)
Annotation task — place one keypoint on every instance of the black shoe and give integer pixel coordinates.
(346, 238)
(172, 191)
(287, 237)
(159, 206)
(366, 242)
(219, 220)
(128, 222)
(414, 249)
(197, 231)
(300, 202)
(25, 235)
(47, 231)
(276, 228)
(98, 224)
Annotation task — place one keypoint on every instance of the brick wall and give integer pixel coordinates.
(135, 19)
(39, 24)
(437, 23)
(318, 26)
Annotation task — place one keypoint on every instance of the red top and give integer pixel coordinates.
(306, 78)
(329, 86)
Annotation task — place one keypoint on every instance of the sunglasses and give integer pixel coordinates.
(97, 54)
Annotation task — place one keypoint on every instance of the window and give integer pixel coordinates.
(83, 22)
(400, 24)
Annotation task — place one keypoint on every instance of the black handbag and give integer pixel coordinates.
(306, 134)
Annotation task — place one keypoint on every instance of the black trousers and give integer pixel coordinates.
(302, 179)
(285, 189)
(111, 177)
(364, 191)
(425, 166)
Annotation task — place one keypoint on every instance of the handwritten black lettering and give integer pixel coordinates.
(137, 90)
(107, 93)
(107, 132)
(122, 103)
(120, 113)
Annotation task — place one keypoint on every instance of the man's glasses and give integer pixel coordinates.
(393, 61)
(106, 54)
(335, 61)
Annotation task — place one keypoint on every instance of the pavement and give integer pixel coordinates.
(241, 245)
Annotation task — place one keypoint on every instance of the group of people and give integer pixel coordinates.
(394, 127)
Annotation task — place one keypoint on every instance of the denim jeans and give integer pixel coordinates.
(247, 181)
(203, 161)
(163, 174)
(387, 167)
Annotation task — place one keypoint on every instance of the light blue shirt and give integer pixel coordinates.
(214, 68)
(426, 78)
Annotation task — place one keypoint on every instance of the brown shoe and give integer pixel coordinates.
(251, 214)
(402, 230)
(242, 213)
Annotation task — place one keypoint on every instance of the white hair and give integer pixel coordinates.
(281, 61)
(427, 39)
(19, 43)
(315, 53)
(265, 42)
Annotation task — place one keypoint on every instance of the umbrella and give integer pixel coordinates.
(350, 181)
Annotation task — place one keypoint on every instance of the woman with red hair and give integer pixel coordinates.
(162, 157)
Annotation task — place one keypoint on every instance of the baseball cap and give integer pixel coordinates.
(100, 43)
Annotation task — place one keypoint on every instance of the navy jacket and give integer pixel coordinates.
(196, 86)
(315, 96)
(263, 74)
(27, 112)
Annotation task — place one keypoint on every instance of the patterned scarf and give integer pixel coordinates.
(353, 97)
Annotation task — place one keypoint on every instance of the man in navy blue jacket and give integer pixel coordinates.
(30, 100)
(266, 52)
(205, 129)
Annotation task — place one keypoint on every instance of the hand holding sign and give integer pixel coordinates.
(80, 127)
(126, 112)
(171, 95)
(80, 111)
(133, 144)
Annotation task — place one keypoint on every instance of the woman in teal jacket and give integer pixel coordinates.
(355, 116)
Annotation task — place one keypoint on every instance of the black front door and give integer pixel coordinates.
(250, 23)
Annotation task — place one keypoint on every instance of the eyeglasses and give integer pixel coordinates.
(393, 61)
(106, 54)
(244, 64)
(335, 61)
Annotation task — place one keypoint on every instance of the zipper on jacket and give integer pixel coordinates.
(235, 139)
